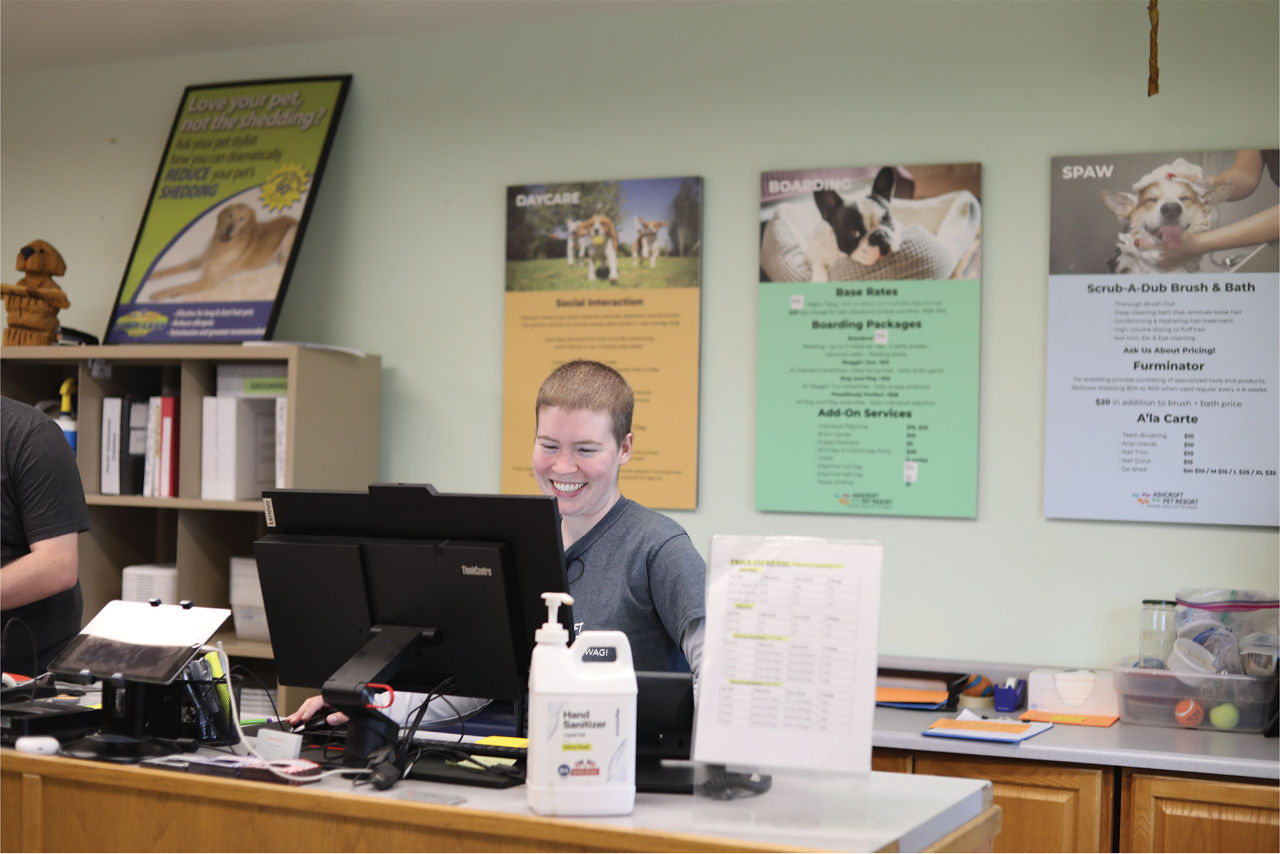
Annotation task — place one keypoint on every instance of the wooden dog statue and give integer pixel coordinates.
(34, 302)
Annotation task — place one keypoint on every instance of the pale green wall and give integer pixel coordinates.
(404, 255)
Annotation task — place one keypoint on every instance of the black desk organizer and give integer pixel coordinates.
(955, 683)
(141, 720)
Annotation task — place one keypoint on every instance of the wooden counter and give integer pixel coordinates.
(61, 804)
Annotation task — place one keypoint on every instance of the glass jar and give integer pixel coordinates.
(1157, 632)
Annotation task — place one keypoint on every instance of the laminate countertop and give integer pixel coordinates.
(1123, 745)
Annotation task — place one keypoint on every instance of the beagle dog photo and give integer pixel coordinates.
(601, 241)
(1168, 202)
(240, 244)
(646, 246)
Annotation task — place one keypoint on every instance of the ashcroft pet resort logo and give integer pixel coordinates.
(1166, 500)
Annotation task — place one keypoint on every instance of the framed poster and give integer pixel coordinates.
(1161, 400)
(609, 271)
(868, 341)
(227, 211)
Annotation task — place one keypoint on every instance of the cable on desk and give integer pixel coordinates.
(726, 785)
(271, 764)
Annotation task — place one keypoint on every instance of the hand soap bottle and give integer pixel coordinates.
(582, 721)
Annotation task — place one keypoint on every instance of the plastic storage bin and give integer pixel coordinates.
(1150, 697)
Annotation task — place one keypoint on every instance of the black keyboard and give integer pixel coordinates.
(496, 751)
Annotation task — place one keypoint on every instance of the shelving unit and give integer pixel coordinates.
(331, 442)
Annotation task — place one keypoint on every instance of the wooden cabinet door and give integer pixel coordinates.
(1166, 812)
(1045, 806)
(892, 760)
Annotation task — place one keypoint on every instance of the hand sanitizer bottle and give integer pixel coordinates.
(582, 721)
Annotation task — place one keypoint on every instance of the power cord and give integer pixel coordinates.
(726, 785)
(272, 765)
(35, 651)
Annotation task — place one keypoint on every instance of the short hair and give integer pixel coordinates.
(594, 386)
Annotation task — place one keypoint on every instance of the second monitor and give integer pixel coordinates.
(409, 588)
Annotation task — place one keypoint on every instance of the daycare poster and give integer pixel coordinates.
(227, 212)
(869, 311)
(610, 271)
(1161, 397)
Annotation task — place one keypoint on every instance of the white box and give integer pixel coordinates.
(247, 611)
(252, 379)
(147, 581)
(237, 447)
(1072, 692)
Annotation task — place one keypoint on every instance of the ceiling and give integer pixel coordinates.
(90, 32)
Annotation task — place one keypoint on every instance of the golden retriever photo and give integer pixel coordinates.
(240, 244)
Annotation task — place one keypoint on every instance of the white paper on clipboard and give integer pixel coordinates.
(789, 657)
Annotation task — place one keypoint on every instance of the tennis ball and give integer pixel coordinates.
(1189, 713)
(1224, 716)
(598, 240)
(977, 685)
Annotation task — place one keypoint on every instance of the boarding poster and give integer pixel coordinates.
(1161, 399)
(226, 214)
(609, 271)
(868, 340)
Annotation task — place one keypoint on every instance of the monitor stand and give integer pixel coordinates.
(124, 749)
(670, 777)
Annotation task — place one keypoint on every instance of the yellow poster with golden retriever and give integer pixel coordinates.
(608, 271)
(227, 211)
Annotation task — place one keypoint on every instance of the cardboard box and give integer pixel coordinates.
(147, 581)
(247, 611)
(252, 379)
(237, 448)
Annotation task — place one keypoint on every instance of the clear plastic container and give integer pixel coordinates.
(1151, 697)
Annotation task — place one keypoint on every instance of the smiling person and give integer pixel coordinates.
(630, 569)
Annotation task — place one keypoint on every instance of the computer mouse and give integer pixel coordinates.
(43, 744)
(318, 723)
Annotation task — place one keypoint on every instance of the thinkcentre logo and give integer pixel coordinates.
(468, 569)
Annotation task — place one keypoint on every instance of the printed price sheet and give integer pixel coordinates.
(789, 661)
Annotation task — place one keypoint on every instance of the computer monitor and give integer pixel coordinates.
(406, 587)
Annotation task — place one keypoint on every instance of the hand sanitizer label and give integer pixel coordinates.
(586, 740)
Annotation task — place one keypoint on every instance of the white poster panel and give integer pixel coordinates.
(1162, 364)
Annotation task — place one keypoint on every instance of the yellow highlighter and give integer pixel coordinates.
(216, 672)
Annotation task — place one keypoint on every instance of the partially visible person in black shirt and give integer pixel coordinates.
(42, 512)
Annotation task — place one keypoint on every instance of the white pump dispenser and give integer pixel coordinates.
(582, 721)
